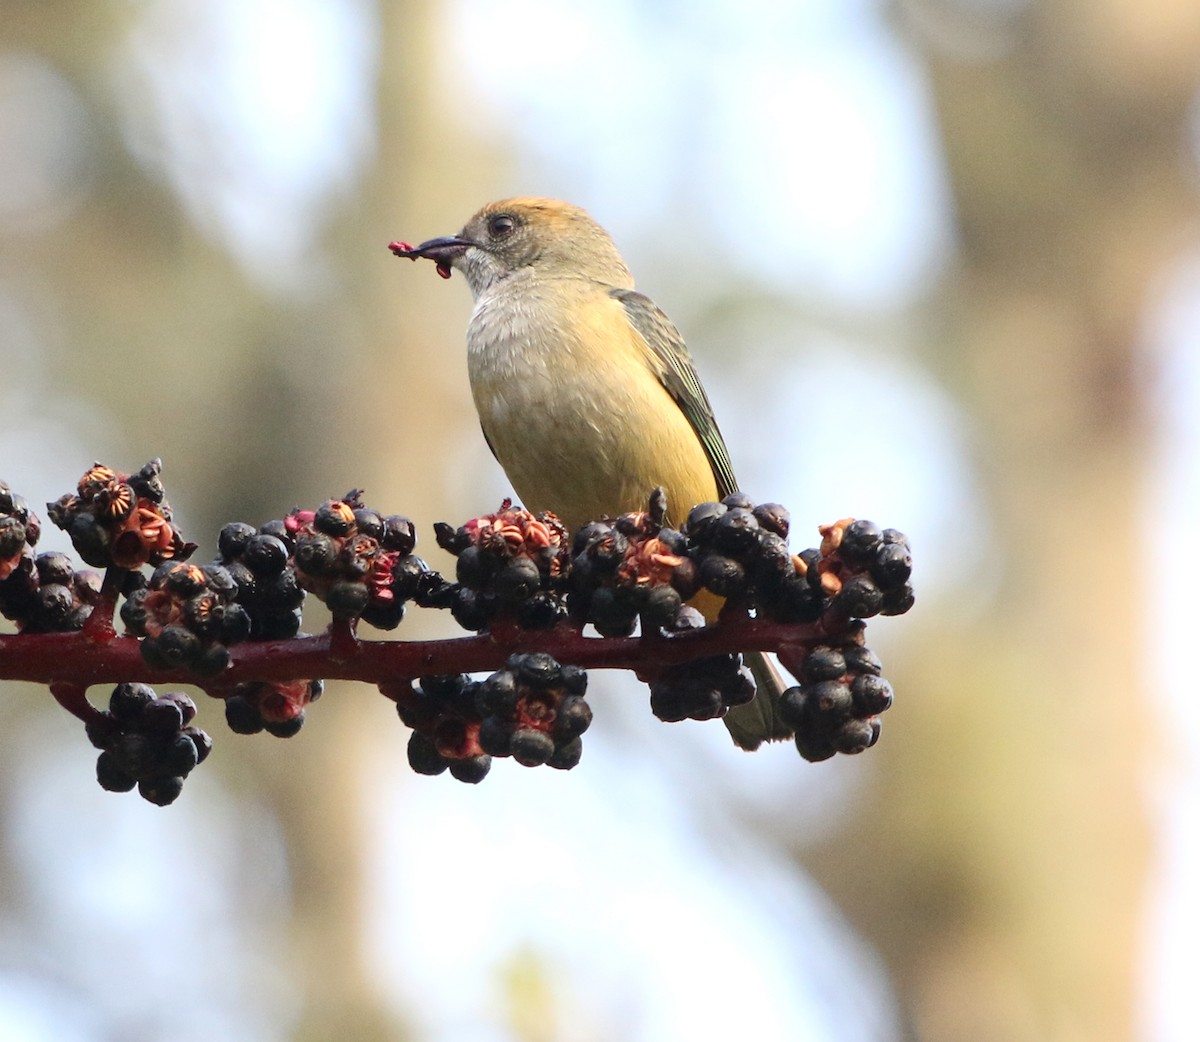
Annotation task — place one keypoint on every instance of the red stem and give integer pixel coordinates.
(76, 660)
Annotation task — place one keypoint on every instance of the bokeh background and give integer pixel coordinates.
(939, 264)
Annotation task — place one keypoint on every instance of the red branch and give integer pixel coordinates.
(75, 661)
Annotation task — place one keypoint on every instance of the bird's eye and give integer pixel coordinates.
(500, 225)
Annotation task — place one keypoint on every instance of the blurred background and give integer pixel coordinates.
(939, 264)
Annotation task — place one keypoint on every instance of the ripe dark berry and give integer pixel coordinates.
(536, 668)
(174, 647)
(279, 627)
(242, 716)
(772, 561)
(423, 756)
(284, 728)
(277, 528)
(700, 521)
(517, 580)
(52, 566)
(685, 577)
(90, 539)
(736, 531)
(860, 541)
(793, 706)
(774, 518)
(200, 740)
(473, 610)
(12, 536)
(611, 613)
(872, 695)
(369, 522)
(475, 567)
(859, 597)
(660, 607)
(55, 604)
(265, 555)
(236, 625)
(232, 540)
(567, 756)
(892, 535)
(829, 696)
(103, 730)
(605, 548)
(334, 517)
(822, 663)
(574, 716)
(898, 601)
(180, 756)
(892, 565)
(111, 775)
(854, 736)
(495, 736)
(531, 748)
(317, 554)
(815, 747)
(541, 611)
(347, 599)
(675, 541)
(161, 791)
(812, 574)
(399, 534)
(162, 714)
(472, 770)
(684, 698)
(128, 700)
(282, 593)
(499, 695)
(738, 501)
(861, 659)
(722, 575)
(384, 616)
(794, 601)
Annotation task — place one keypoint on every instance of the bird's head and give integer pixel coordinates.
(552, 239)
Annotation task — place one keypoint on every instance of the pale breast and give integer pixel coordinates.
(576, 416)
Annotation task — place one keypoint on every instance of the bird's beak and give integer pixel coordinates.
(443, 251)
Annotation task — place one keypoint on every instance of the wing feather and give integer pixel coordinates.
(672, 363)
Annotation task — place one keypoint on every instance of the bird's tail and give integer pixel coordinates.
(759, 720)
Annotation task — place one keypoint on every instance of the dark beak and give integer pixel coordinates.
(442, 252)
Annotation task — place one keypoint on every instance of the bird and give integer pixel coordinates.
(586, 392)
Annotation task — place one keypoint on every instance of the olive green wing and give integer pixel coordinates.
(673, 365)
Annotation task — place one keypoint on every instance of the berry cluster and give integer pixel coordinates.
(445, 724)
(276, 707)
(741, 553)
(45, 594)
(534, 711)
(359, 562)
(147, 741)
(259, 562)
(836, 707)
(121, 520)
(728, 561)
(632, 568)
(510, 563)
(20, 530)
(864, 569)
(704, 689)
(187, 617)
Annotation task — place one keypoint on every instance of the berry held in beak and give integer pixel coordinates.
(442, 251)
